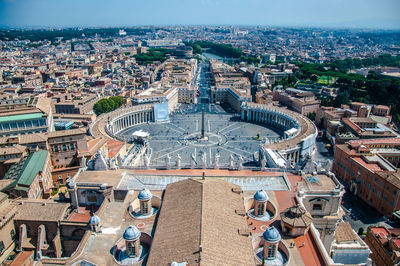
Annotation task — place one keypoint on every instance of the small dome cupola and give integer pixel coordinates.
(272, 235)
(94, 220)
(260, 203)
(261, 196)
(272, 238)
(131, 233)
(145, 198)
(94, 223)
(145, 194)
(132, 241)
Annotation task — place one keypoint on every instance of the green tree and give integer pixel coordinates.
(107, 104)
(314, 78)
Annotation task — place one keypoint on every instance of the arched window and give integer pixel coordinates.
(260, 209)
(144, 208)
(271, 252)
(130, 249)
(12, 234)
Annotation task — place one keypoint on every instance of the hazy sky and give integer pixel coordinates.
(340, 13)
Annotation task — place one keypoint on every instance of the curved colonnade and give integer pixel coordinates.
(271, 116)
(130, 117)
(299, 132)
(298, 139)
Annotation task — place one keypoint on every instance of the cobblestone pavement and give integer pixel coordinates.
(227, 136)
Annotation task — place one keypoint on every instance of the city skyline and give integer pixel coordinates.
(310, 13)
(178, 144)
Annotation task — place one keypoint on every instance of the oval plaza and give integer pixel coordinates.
(259, 135)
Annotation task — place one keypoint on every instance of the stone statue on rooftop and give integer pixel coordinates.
(83, 162)
(216, 161)
(178, 161)
(204, 160)
(168, 161)
(112, 165)
(192, 160)
(263, 163)
(240, 163)
(146, 160)
(231, 161)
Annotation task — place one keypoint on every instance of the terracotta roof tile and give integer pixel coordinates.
(344, 233)
(201, 213)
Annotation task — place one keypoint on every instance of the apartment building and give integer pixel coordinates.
(8, 210)
(384, 244)
(299, 101)
(371, 170)
(76, 105)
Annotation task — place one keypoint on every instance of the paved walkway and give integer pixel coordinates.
(309, 252)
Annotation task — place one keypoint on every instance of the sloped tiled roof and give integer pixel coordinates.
(344, 233)
(296, 216)
(202, 213)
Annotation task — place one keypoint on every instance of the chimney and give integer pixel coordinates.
(203, 176)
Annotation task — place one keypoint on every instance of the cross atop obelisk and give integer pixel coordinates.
(202, 123)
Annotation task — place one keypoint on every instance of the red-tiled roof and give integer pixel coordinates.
(114, 146)
(380, 231)
(371, 166)
(81, 216)
(355, 143)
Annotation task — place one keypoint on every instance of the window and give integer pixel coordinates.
(379, 194)
(130, 249)
(391, 203)
(12, 234)
(317, 207)
(64, 147)
(271, 252)
(373, 189)
(260, 209)
(388, 187)
(144, 208)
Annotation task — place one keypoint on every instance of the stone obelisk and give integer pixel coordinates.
(202, 123)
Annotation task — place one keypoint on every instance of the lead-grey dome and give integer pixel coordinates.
(94, 220)
(145, 194)
(131, 233)
(261, 195)
(272, 235)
